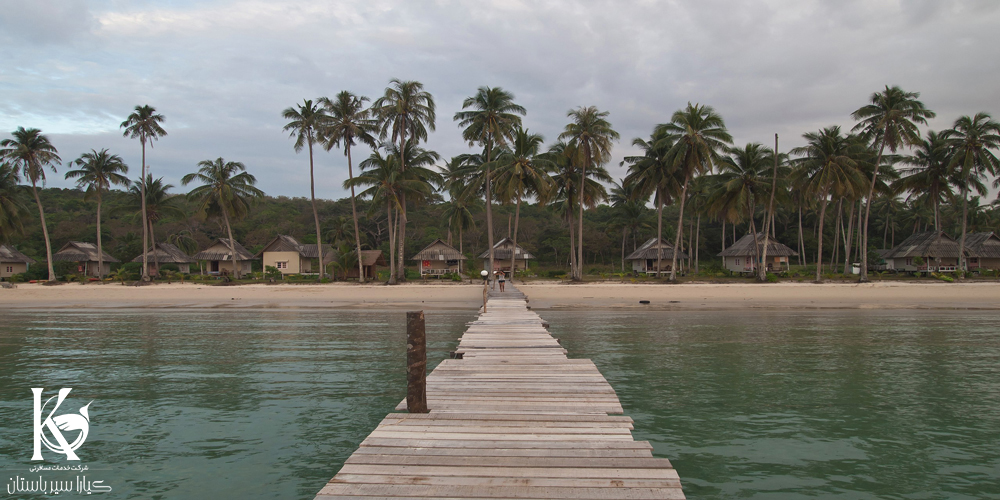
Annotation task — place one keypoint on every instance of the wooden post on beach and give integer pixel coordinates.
(416, 362)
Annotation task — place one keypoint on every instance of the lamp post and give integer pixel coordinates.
(485, 274)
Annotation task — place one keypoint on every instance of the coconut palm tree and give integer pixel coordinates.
(974, 140)
(652, 175)
(30, 152)
(828, 166)
(144, 124)
(159, 205)
(380, 173)
(630, 212)
(929, 174)
(226, 190)
(12, 207)
(405, 112)
(308, 120)
(349, 124)
(490, 123)
(98, 171)
(520, 172)
(457, 210)
(592, 134)
(567, 188)
(890, 121)
(744, 180)
(698, 134)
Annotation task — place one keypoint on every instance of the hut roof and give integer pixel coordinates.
(439, 250)
(372, 258)
(502, 250)
(79, 251)
(985, 245)
(746, 246)
(9, 254)
(166, 253)
(934, 244)
(220, 251)
(285, 243)
(650, 249)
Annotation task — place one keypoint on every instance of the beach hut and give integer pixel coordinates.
(167, 253)
(13, 262)
(220, 260)
(86, 257)
(291, 257)
(929, 251)
(982, 251)
(742, 256)
(644, 258)
(440, 258)
(501, 256)
(371, 260)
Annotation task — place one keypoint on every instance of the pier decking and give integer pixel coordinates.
(514, 418)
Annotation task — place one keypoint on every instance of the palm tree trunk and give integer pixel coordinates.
(100, 248)
(232, 245)
(848, 237)
(697, 240)
(802, 239)
(354, 213)
(392, 243)
(142, 195)
(863, 248)
(770, 211)
(836, 234)
(680, 231)
(659, 232)
(723, 234)
(572, 243)
(624, 238)
(152, 246)
(312, 195)
(45, 231)
(401, 216)
(965, 219)
(819, 246)
(513, 252)
(583, 189)
(460, 251)
(489, 208)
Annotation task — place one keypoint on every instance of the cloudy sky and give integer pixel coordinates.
(222, 71)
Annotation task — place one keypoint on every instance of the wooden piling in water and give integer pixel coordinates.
(416, 362)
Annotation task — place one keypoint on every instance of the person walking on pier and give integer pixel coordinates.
(501, 278)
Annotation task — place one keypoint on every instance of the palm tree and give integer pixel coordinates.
(349, 122)
(592, 135)
(829, 166)
(490, 124)
(888, 121)
(380, 173)
(144, 124)
(98, 171)
(12, 208)
(630, 212)
(522, 172)
(930, 174)
(226, 189)
(159, 204)
(568, 192)
(974, 139)
(404, 113)
(698, 133)
(744, 180)
(652, 175)
(30, 152)
(457, 210)
(307, 121)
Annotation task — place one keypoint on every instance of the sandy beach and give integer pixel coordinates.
(448, 295)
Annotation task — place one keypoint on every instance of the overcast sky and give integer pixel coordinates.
(221, 72)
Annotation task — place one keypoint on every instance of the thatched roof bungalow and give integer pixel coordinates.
(742, 256)
(501, 256)
(291, 257)
(924, 252)
(982, 251)
(440, 258)
(644, 258)
(13, 262)
(86, 257)
(167, 253)
(371, 260)
(220, 259)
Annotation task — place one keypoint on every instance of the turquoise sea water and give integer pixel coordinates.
(268, 403)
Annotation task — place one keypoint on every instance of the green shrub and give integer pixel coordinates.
(456, 277)
(16, 278)
(772, 278)
(273, 273)
(558, 273)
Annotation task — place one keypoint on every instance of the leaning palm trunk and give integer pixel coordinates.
(232, 245)
(354, 213)
(965, 220)
(583, 185)
(770, 212)
(45, 231)
(848, 238)
(100, 248)
(312, 195)
(513, 252)
(863, 277)
(392, 242)
(152, 246)
(819, 246)
(659, 233)
(572, 243)
(697, 240)
(680, 231)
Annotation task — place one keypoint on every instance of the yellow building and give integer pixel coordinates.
(13, 262)
(291, 257)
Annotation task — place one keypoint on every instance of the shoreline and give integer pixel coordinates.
(541, 296)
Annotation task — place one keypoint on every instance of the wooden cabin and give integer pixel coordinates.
(86, 257)
(501, 257)
(13, 262)
(742, 256)
(291, 257)
(644, 258)
(440, 258)
(929, 251)
(982, 251)
(219, 258)
(371, 260)
(167, 253)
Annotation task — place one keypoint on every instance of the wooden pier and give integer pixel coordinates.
(513, 418)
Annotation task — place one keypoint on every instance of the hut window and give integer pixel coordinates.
(972, 260)
(737, 261)
(10, 269)
(281, 264)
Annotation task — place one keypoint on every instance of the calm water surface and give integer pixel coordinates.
(268, 403)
